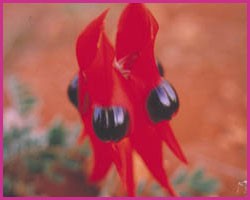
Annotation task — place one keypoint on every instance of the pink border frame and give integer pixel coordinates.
(124, 1)
(112, 1)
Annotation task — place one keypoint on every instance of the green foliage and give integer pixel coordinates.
(85, 149)
(41, 155)
(16, 140)
(14, 134)
(50, 152)
(186, 184)
(140, 187)
(56, 135)
(21, 96)
(199, 183)
(195, 184)
(180, 178)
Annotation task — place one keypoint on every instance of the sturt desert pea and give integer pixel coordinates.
(124, 102)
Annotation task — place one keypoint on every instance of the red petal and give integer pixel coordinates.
(163, 128)
(104, 82)
(99, 75)
(102, 154)
(149, 147)
(102, 151)
(103, 158)
(84, 104)
(135, 44)
(146, 141)
(124, 164)
(86, 46)
(136, 30)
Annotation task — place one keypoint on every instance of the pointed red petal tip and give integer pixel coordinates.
(102, 159)
(87, 42)
(149, 147)
(168, 137)
(99, 73)
(136, 28)
(123, 159)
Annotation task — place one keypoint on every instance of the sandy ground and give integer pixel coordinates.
(202, 48)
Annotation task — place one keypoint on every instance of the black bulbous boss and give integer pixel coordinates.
(73, 91)
(162, 102)
(110, 124)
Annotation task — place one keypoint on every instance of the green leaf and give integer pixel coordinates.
(85, 149)
(141, 187)
(206, 187)
(180, 177)
(197, 176)
(56, 135)
(202, 185)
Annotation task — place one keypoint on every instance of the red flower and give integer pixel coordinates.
(116, 93)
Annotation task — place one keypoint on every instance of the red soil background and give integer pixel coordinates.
(201, 46)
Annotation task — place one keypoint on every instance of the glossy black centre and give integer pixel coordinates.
(110, 124)
(73, 91)
(162, 102)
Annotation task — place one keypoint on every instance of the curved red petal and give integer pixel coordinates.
(102, 155)
(145, 70)
(124, 163)
(96, 82)
(136, 30)
(136, 34)
(144, 138)
(100, 81)
(86, 45)
(84, 104)
(95, 56)
(164, 130)
(103, 158)
(102, 151)
(149, 147)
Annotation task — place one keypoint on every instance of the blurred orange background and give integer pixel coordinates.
(201, 46)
